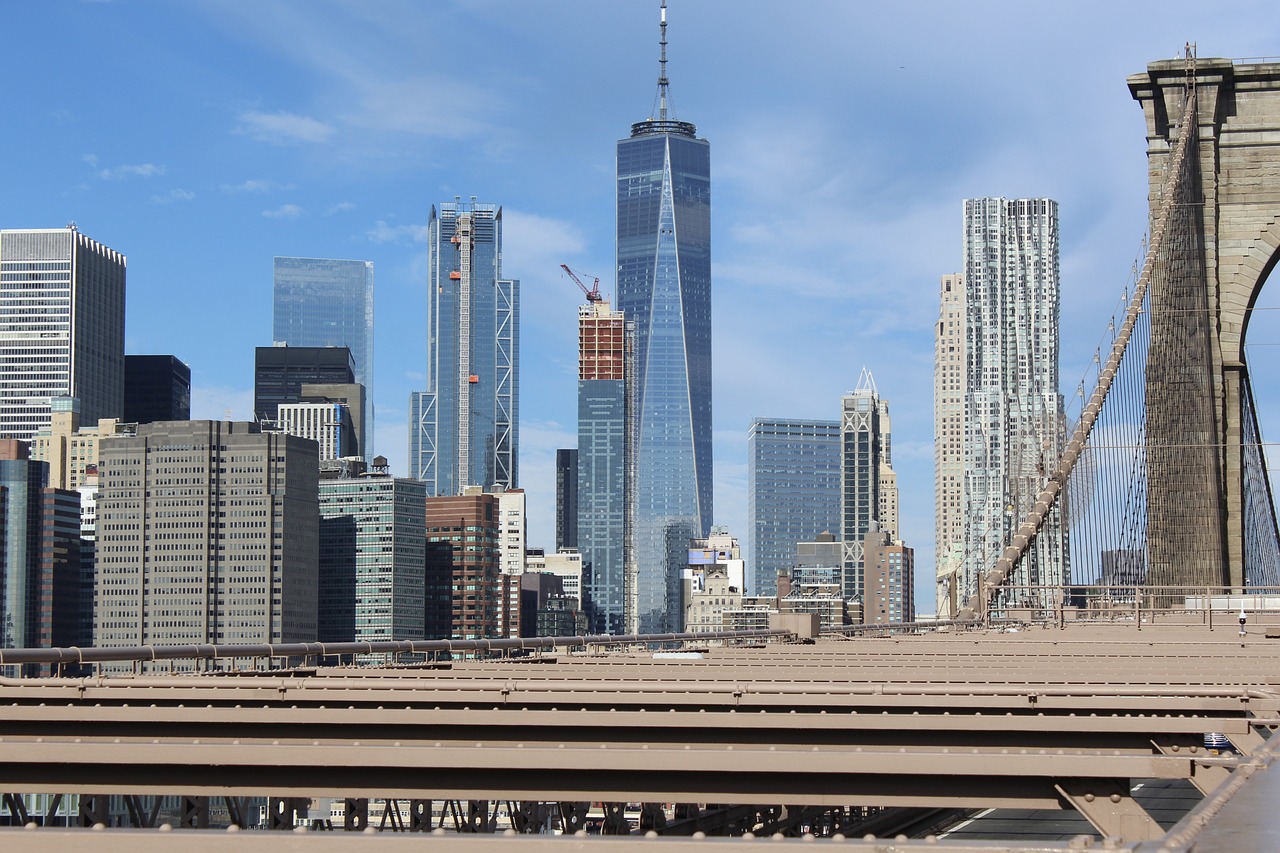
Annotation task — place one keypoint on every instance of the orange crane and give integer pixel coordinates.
(593, 295)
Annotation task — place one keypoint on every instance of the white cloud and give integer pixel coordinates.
(254, 186)
(140, 170)
(284, 211)
(91, 159)
(283, 128)
(175, 194)
(340, 207)
(381, 232)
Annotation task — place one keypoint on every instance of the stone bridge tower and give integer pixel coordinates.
(1225, 243)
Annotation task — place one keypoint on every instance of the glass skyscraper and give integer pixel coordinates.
(1013, 411)
(605, 493)
(664, 288)
(793, 492)
(464, 429)
(319, 302)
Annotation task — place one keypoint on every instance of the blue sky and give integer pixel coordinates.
(201, 139)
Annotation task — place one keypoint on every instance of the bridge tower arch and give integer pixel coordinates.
(1230, 244)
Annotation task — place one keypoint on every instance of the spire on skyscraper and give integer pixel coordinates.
(663, 123)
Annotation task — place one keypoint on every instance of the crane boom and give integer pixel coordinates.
(593, 295)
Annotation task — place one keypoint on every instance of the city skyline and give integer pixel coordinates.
(325, 131)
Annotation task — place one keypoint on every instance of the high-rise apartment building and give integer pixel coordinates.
(888, 512)
(566, 498)
(464, 430)
(464, 584)
(664, 288)
(372, 559)
(1013, 430)
(61, 327)
(605, 481)
(326, 423)
(793, 492)
(512, 548)
(948, 440)
(890, 580)
(207, 533)
(322, 302)
(861, 458)
(156, 388)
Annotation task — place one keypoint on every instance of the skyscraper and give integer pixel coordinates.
(61, 327)
(566, 498)
(167, 574)
(156, 388)
(1013, 432)
(279, 372)
(320, 302)
(793, 492)
(948, 440)
(464, 429)
(605, 485)
(862, 454)
(664, 288)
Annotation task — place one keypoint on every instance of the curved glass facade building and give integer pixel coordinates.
(664, 288)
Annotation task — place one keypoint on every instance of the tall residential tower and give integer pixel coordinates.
(464, 429)
(948, 441)
(1013, 430)
(664, 288)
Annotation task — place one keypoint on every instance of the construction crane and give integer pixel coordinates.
(593, 295)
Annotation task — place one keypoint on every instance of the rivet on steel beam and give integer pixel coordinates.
(166, 827)
(1089, 798)
(699, 835)
(1115, 798)
(651, 834)
(31, 824)
(233, 828)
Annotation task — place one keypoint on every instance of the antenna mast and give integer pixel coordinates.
(663, 83)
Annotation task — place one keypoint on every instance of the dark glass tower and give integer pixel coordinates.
(664, 288)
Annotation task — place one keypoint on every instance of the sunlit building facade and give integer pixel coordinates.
(1013, 411)
(61, 327)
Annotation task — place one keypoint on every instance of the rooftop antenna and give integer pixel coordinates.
(663, 83)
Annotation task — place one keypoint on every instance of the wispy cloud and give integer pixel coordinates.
(254, 186)
(381, 232)
(175, 194)
(140, 170)
(340, 207)
(284, 211)
(283, 128)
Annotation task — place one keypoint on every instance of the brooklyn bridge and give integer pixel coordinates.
(1128, 704)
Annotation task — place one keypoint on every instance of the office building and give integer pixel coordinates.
(39, 555)
(280, 371)
(566, 498)
(1014, 428)
(156, 388)
(463, 585)
(372, 559)
(862, 456)
(551, 595)
(888, 491)
(605, 480)
(326, 423)
(512, 549)
(664, 288)
(890, 582)
(71, 449)
(322, 302)
(464, 430)
(61, 327)
(207, 533)
(948, 440)
(793, 492)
